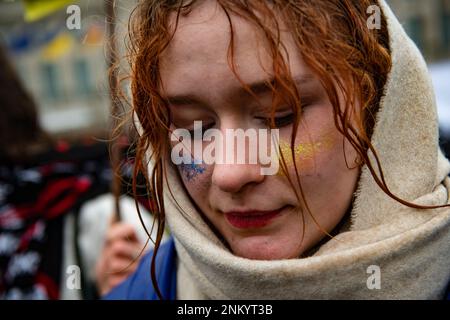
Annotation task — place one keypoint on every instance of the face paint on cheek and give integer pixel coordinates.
(191, 170)
(304, 153)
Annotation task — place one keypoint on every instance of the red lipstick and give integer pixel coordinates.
(251, 219)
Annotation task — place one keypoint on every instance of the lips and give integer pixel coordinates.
(251, 219)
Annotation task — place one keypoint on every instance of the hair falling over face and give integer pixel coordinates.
(334, 41)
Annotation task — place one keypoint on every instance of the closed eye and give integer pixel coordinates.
(279, 122)
(200, 132)
(284, 121)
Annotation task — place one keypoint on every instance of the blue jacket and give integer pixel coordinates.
(138, 286)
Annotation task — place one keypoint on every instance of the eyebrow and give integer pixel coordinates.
(258, 88)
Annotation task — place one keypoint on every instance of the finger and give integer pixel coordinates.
(116, 280)
(121, 266)
(124, 249)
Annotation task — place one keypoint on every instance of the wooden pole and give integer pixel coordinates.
(111, 56)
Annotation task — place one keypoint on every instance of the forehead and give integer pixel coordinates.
(197, 55)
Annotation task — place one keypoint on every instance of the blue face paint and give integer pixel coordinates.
(191, 170)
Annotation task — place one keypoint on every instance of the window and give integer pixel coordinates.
(82, 77)
(446, 28)
(51, 81)
(415, 29)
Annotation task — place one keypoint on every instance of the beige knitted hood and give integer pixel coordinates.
(410, 247)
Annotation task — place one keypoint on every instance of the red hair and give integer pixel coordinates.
(334, 40)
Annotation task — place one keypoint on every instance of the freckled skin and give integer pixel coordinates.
(198, 56)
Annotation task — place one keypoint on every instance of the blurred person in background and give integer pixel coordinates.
(57, 239)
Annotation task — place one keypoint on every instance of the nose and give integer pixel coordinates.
(234, 175)
(232, 178)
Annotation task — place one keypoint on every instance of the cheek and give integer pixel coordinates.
(309, 155)
(196, 178)
(191, 172)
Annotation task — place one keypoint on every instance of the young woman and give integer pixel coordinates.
(359, 205)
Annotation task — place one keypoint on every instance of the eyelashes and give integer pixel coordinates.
(278, 122)
(203, 129)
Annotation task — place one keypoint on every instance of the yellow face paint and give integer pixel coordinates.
(304, 152)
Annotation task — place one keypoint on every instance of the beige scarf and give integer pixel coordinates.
(410, 248)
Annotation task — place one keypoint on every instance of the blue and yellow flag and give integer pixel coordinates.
(58, 47)
(38, 9)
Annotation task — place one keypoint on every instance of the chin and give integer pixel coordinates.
(263, 248)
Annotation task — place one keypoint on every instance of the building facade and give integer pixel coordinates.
(64, 69)
(428, 24)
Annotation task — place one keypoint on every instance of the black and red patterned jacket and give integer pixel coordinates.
(35, 198)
